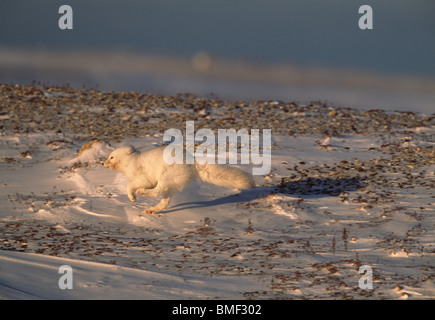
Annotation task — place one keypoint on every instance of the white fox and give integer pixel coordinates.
(150, 175)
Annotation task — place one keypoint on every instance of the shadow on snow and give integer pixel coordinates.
(313, 187)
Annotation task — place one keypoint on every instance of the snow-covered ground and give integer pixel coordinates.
(303, 232)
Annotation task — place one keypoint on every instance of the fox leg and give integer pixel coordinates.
(159, 207)
(148, 192)
(134, 187)
(130, 189)
(167, 194)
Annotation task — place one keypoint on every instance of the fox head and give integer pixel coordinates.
(117, 156)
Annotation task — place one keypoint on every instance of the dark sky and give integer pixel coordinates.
(304, 32)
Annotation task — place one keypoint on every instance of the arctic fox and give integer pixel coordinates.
(150, 175)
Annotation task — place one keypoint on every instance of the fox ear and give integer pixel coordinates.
(130, 150)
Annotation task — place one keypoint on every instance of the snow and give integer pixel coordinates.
(61, 208)
(33, 276)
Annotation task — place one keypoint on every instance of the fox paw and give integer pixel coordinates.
(149, 211)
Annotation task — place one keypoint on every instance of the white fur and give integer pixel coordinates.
(150, 175)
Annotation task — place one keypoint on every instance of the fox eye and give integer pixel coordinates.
(111, 158)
